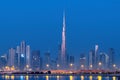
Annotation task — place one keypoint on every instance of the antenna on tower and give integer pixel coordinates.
(64, 21)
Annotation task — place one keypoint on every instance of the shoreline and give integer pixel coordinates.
(104, 75)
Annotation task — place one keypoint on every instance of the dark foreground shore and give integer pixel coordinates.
(53, 74)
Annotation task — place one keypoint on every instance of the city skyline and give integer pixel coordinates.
(39, 23)
(60, 39)
(63, 45)
(22, 58)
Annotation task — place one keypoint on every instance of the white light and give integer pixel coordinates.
(22, 55)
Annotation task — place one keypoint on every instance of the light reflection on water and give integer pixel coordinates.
(27, 77)
(99, 77)
(12, 77)
(47, 77)
(37, 77)
(58, 77)
(91, 77)
(82, 77)
(71, 77)
(114, 78)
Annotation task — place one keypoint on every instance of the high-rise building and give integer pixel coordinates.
(111, 58)
(72, 62)
(91, 60)
(17, 58)
(47, 61)
(16, 61)
(36, 60)
(82, 62)
(28, 57)
(3, 61)
(59, 58)
(63, 46)
(96, 56)
(53, 65)
(104, 60)
(11, 58)
(23, 47)
(22, 55)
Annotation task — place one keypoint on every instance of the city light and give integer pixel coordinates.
(114, 78)
(99, 77)
(82, 77)
(22, 58)
(47, 77)
(58, 65)
(91, 66)
(71, 77)
(71, 64)
(99, 63)
(114, 65)
(82, 66)
(47, 65)
(91, 77)
(12, 77)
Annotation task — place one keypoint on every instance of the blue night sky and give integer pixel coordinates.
(39, 23)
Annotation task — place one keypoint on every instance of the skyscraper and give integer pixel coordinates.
(104, 59)
(91, 60)
(72, 62)
(28, 56)
(17, 57)
(11, 58)
(58, 57)
(63, 46)
(22, 55)
(47, 61)
(82, 62)
(96, 56)
(111, 58)
(3, 61)
(36, 60)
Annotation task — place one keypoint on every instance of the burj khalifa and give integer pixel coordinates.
(63, 46)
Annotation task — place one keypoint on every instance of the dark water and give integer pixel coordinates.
(21, 77)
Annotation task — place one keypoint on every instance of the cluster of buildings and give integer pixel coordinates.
(22, 58)
(96, 60)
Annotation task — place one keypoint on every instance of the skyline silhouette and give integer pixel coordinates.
(40, 24)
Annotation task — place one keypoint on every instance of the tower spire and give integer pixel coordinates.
(63, 47)
(64, 22)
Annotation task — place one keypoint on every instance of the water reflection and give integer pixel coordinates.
(37, 77)
(21, 77)
(90, 77)
(107, 78)
(114, 78)
(58, 77)
(71, 77)
(47, 77)
(7, 77)
(99, 77)
(3, 76)
(27, 77)
(82, 77)
(12, 77)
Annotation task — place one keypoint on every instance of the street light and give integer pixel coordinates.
(82, 66)
(47, 65)
(71, 64)
(91, 66)
(99, 63)
(114, 65)
(58, 65)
